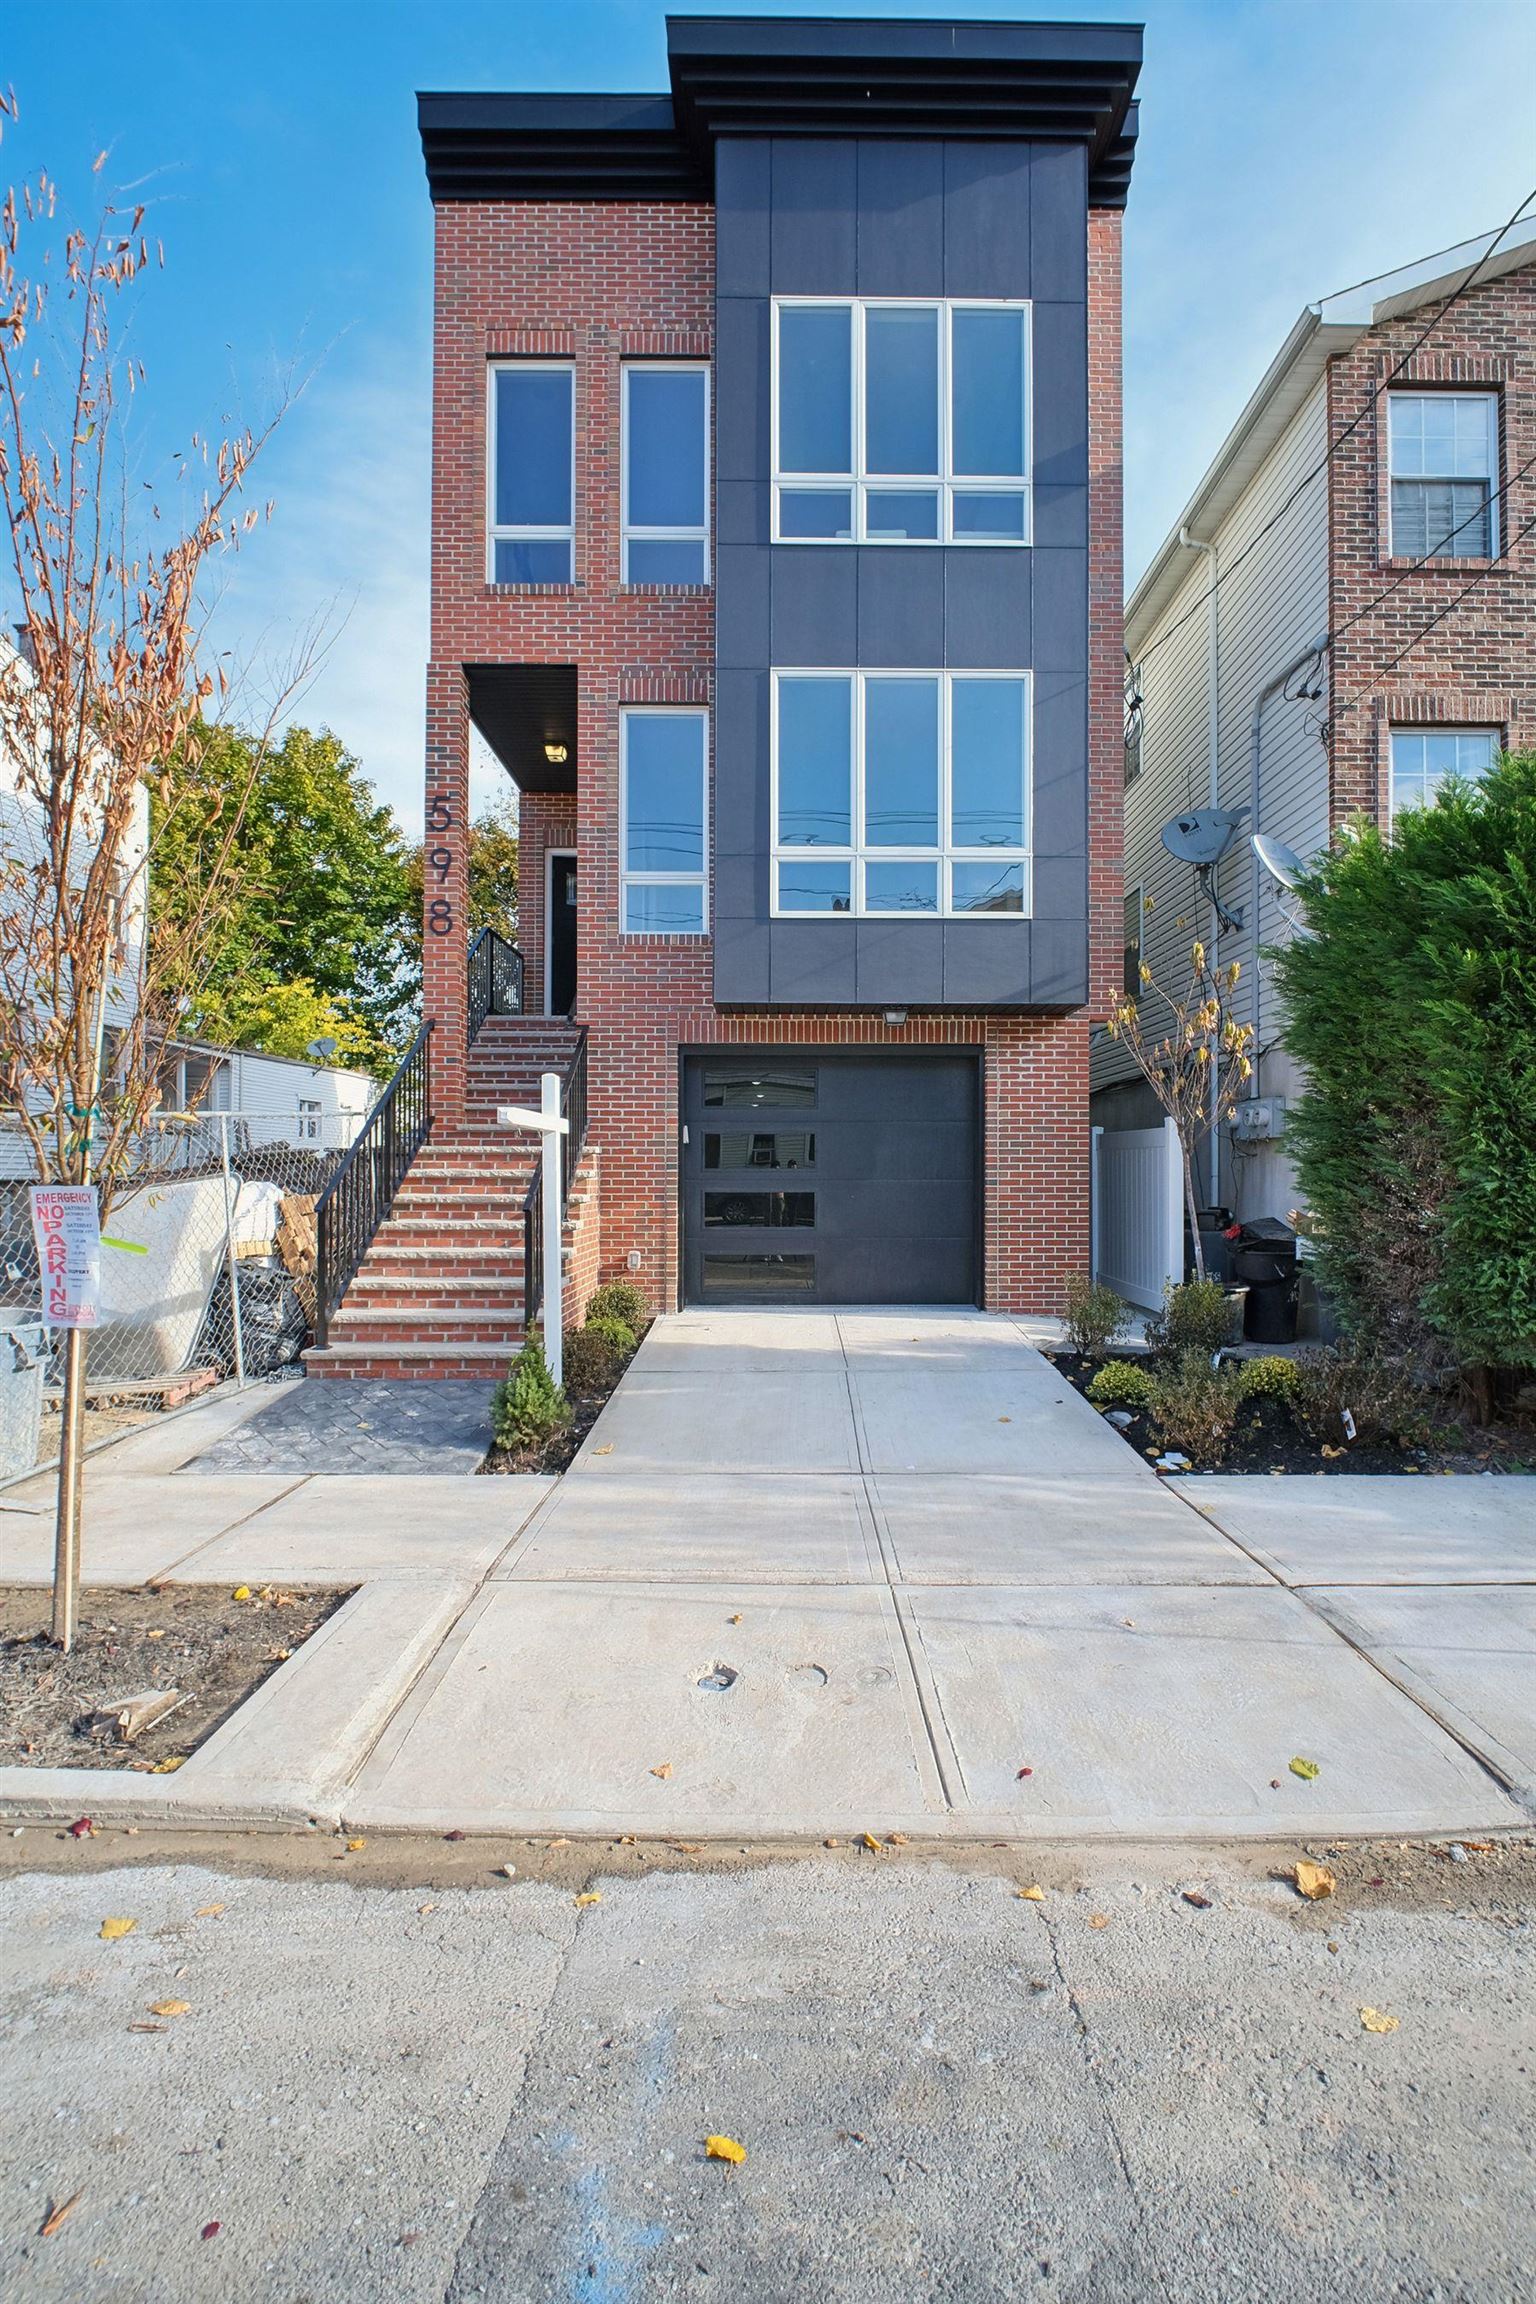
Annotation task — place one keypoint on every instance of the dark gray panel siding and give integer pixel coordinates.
(891, 217)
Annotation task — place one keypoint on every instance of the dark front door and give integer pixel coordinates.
(562, 935)
(818, 1177)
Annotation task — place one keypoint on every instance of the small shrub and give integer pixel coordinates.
(618, 1300)
(1093, 1316)
(1269, 1377)
(1378, 1388)
(529, 1406)
(591, 1361)
(1122, 1384)
(1194, 1406)
(1196, 1317)
(616, 1334)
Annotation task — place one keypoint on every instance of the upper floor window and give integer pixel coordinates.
(903, 793)
(1134, 714)
(663, 813)
(900, 422)
(532, 472)
(1423, 758)
(666, 474)
(1135, 916)
(1443, 451)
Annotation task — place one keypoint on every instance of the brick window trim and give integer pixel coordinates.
(1451, 372)
(1420, 710)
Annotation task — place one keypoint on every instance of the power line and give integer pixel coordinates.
(1353, 426)
(1404, 573)
(1439, 616)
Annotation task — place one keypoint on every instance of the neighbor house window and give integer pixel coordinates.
(1135, 914)
(666, 475)
(901, 423)
(663, 808)
(1134, 713)
(1443, 449)
(901, 794)
(532, 472)
(1423, 758)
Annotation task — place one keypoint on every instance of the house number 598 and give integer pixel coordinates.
(440, 864)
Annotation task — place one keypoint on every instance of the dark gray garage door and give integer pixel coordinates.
(830, 1178)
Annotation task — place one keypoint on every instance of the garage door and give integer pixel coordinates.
(832, 1179)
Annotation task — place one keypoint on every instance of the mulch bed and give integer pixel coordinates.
(557, 1454)
(195, 1638)
(1269, 1438)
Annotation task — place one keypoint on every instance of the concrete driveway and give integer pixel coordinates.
(819, 1572)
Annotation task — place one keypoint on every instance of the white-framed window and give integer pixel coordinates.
(664, 819)
(1443, 452)
(1423, 758)
(309, 1119)
(1135, 922)
(664, 451)
(1135, 720)
(901, 421)
(531, 471)
(901, 794)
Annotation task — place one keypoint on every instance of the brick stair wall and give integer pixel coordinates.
(440, 1292)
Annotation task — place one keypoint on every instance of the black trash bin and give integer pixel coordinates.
(1264, 1256)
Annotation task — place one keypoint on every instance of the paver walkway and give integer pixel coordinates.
(325, 1426)
(821, 1572)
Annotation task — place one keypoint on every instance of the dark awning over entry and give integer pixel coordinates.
(526, 712)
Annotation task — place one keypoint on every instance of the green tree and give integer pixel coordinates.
(1414, 1014)
(327, 889)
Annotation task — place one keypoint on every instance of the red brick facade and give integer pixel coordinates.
(597, 283)
(1477, 666)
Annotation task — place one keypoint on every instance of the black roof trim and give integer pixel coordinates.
(796, 76)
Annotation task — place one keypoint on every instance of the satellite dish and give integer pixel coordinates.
(321, 1050)
(1203, 836)
(1281, 863)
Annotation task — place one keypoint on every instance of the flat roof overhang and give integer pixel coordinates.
(525, 711)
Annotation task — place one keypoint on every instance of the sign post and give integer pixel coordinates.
(552, 1125)
(66, 1225)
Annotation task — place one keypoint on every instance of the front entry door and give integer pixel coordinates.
(561, 930)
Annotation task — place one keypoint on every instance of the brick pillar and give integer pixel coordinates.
(445, 940)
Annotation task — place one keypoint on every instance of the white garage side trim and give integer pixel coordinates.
(1138, 1212)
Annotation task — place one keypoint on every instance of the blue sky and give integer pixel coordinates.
(1288, 148)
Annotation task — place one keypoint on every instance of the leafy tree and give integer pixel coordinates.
(328, 897)
(1414, 1013)
(283, 1019)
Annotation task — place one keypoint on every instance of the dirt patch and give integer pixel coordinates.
(558, 1453)
(1268, 1437)
(196, 1638)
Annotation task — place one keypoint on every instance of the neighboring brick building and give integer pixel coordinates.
(1373, 628)
(776, 554)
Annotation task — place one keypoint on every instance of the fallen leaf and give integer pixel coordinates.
(1479, 1847)
(423, 1909)
(561, 1843)
(725, 2148)
(509, 1871)
(735, 1619)
(590, 1896)
(453, 1835)
(211, 2231)
(1034, 1895)
(1330, 1451)
(1314, 1881)
(170, 2007)
(868, 1840)
(207, 1911)
(1305, 1769)
(1023, 1772)
(354, 1845)
(895, 1839)
(605, 1451)
(56, 2216)
(831, 1843)
(169, 1765)
(1098, 1919)
(82, 1828)
(1005, 1419)
(157, 1634)
(241, 1592)
(112, 1929)
(686, 1847)
(663, 1770)
(1200, 1903)
(1374, 2021)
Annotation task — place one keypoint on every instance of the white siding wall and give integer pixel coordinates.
(1271, 607)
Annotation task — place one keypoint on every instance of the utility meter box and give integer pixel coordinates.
(1258, 1119)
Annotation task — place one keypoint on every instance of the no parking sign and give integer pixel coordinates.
(66, 1225)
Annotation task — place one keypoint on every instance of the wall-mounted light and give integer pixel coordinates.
(556, 755)
(895, 1015)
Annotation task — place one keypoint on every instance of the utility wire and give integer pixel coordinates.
(1353, 426)
(1425, 560)
(1438, 617)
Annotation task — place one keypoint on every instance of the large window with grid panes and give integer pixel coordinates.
(1443, 454)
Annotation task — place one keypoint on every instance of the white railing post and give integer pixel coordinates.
(231, 1258)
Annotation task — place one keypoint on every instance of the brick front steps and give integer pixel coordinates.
(440, 1291)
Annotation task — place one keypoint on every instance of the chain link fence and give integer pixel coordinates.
(207, 1272)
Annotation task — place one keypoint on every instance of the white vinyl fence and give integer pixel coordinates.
(1138, 1212)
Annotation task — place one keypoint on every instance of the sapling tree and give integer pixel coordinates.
(106, 702)
(1194, 1055)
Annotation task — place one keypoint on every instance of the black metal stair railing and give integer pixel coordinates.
(495, 979)
(357, 1199)
(573, 1108)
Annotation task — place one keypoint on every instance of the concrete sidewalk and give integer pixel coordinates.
(821, 1571)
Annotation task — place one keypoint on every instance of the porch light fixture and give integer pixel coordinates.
(895, 1015)
(556, 755)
